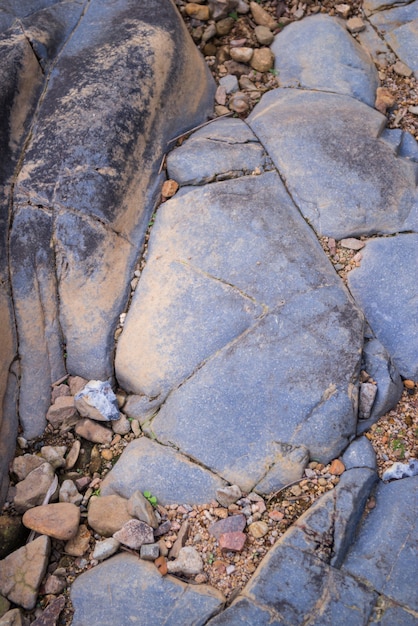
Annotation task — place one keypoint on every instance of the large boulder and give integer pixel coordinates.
(119, 83)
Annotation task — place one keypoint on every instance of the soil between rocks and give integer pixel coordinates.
(394, 437)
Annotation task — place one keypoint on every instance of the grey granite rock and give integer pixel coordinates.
(394, 17)
(168, 475)
(313, 139)
(333, 61)
(385, 551)
(360, 453)
(225, 147)
(141, 593)
(385, 288)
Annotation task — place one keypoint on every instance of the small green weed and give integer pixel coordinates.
(151, 499)
(398, 445)
(96, 492)
(211, 558)
(233, 14)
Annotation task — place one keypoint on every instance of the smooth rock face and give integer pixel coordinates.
(85, 213)
(143, 592)
(313, 139)
(22, 571)
(167, 474)
(59, 520)
(333, 61)
(385, 288)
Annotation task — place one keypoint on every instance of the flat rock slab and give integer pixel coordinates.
(385, 287)
(271, 362)
(333, 61)
(385, 551)
(125, 589)
(168, 475)
(345, 181)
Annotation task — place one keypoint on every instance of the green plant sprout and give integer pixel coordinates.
(233, 14)
(151, 499)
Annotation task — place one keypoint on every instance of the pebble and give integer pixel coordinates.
(276, 516)
(188, 563)
(161, 565)
(242, 55)
(261, 17)
(263, 35)
(63, 411)
(258, 529)
(233, 523)
(352, 243)
(223, 27)
(229, 83)
(80, 543)
(233, 542)
(92, 431)
(53, 585)
(22, 466)
(69, 493)
(59, 520)
(32, 490)
(149, 552)
(262, 60)
(197, 11)
(54, 455)
(228, 495)
(367, 397)
(106, 548)
(355, 25)
(409, 384)
(107, 455)
(170, 188)
(179, 543)
(50, 615)
(72, 456)
(239, 102)
(337, 467)
(343, 10)
(134, 534)
(122, 426)
(402, 69)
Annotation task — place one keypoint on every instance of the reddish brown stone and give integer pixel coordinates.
(233, 542)
(337, 467)
(231, 524)
(161, 565)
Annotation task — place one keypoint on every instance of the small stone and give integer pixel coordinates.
(343, 10)
(72, 456)
(79, 544)
(122, 426)
(106, 548)
(221, 110)
(170, 188)
(220, 512)
(261, 17)
(53, 585)
(161, 565)
(263, 35)
(262, 60)
(59, 520)
(208, 33)
(296, 490)
(229, 83)
(14, 617)
(258, 529)
(139, 507)
(50, 615)
(352, 243)
(4, 605)
(188, 563)
(22, 571)
(136, 428)
(107, 455)
(197, 11)
(355, 25)
(182, 537)
(97, 401)
(107, 514)
(242, 54)
(233, 542)
(402, 69)
(201, 579)
(163, 528)
(223, 27)
(221, 8)
(32, 491)
(228, 495)
(337, 467)
(236, 69)
(54, 455)
(233, 523)
(367, 397)
(134, 534)
(22, 466)
(409, 384)
(59, 391)
(149, 552)
(82, 483)
(69, 493)
(76, 384)
(62, 412)
(276, 516)
(239, 102)
(22, 443)
(220, 95)
(92, 431)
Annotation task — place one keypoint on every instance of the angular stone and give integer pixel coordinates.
(360, 453)
(79, 544)
(54, 455)
(367, 395)
(62, 412)
(72, 456)
(141, 591)
(262, 60)
(384, 553)
(69, 493)
(107, 514)
(92, 431)
(231, 524)
(228, 495)
(25, 464)
(76, 384)
(304, 131)
(53, 585)
(134, 533)
(333, 61)
(105, 549)
(179, 543)
(189, 562)
(122, 426)
(149, 552)
(22, 571)
(233, 542)
(142, 509)
(59, 520)
(147, 466)
(262, 17)
(385, 288)
(258, 529)
(97, 402)
(263, 35)
(401, 470)
(50, 615)
(32, 490)
(355, 25)
(14, 617)
(219, 9)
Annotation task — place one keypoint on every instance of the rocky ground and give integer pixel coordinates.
(394, 436)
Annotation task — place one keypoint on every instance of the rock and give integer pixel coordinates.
(59, 520)
(360, 453)
(50, 615)
(170, 188)
(134, 533)
(239, 102)
(355, 25)
(402, 69)
(69, 493)
(376, 190)
(258, 529)
(92, 431)
(342, 66)
(352, 244)
(197, 11)
(262, 60)
(79, 544)
(72, 456)
(59, 391)
(230, 82)
(62, 412)
(384, 99)
(188, 563)
(224, 26)
(290, 464)
(54, 455)
(384, 553)
(97, 402)
(149, 552)
(228, 495)
(14, 617)
(31, 491)
(147, 466)
(384, 288)
(343, 10)
(220, 9)
(367, 396)
(237, 69)
(107, 514)
(401, 470)
(76, 384)
(263, 35)
(122, 426)
(179, 543)
(53, 585)
(231, 524)
(141, 591)
(142, 509)
(25, 464)
(232, 542)
(337, 467)
(241, 54)
(22, 571)
(162, 529)
(261, 17)
(105, 549)
(12, 534)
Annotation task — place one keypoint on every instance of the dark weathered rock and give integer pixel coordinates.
(360, 453)
(142, 591)
(313, 139)
(333, 61)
